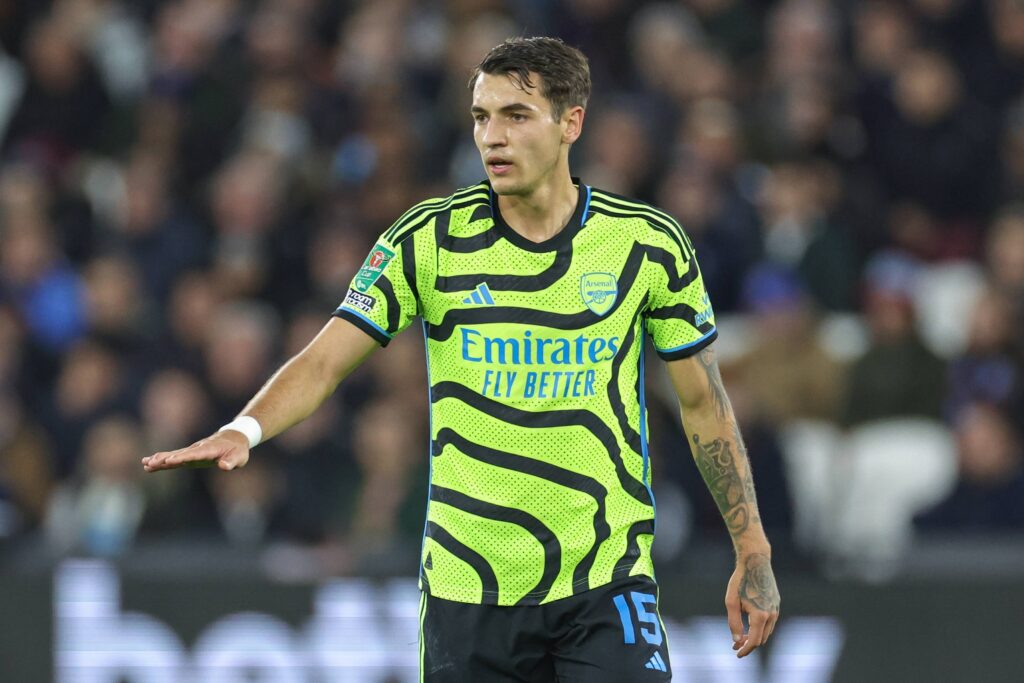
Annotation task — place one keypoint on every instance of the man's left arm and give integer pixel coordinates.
(721, 457)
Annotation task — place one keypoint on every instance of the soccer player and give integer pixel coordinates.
(535, 291)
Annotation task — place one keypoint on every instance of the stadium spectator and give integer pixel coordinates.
(731, 26)
(246, 204)
(664, 39)
(385, 511)
(39, 281)
(883, 35)
(26, 469)
(1005, 253)
(787, 374)
(64, 106)
(188, 321)
(620, 151)
(898, 376)
(117, 307)
(993, 67)
(803, 232)
(248, 508)
(174, 408)
(1011, 153)
(990, 370)
(239, 351)
(101, 509)
(723, 226)
(91, 385)
(990, 493)
(150, 224)
(932, 145)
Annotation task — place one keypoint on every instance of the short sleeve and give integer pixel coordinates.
(380, 300)
(679, 317)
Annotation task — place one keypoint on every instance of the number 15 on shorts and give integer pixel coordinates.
(646, 619)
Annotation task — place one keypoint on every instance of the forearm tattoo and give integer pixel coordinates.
(719, 399)
(758, 583)
(733, 492)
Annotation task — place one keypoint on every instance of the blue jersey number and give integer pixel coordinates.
(641, 601)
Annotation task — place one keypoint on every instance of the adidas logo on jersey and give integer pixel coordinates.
(656, 663)
(480, 295)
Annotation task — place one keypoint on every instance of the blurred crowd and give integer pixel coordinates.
(187, 187)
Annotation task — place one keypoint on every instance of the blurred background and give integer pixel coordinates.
(188, 186)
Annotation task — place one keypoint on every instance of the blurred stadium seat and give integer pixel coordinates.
(885, 473)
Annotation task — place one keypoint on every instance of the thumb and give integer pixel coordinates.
(234, 458)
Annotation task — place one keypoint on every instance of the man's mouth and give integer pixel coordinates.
(499, 166)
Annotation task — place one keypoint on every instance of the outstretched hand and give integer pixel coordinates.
(227, 450)
(752, 590)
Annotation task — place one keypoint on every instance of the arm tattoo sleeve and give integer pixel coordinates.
(718, 396)
(733, 493)
(758, 583)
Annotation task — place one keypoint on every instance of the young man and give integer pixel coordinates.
(535, 291)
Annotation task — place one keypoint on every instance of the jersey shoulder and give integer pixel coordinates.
(428, 210)
(650, 222)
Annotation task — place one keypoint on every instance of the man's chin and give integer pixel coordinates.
(506, 186)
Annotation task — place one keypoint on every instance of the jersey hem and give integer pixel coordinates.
(532, 600)
(363, 324)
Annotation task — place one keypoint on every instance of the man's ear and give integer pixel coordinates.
(572, 124)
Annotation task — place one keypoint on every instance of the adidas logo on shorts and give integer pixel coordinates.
(656, 663)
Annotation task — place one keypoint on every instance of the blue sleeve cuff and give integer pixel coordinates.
(371, 328)
(690, 348)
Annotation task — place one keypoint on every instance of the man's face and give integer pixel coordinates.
(520, 142)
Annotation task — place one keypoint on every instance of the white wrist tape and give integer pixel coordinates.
(248, 426)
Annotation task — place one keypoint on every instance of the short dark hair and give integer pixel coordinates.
(564, 71)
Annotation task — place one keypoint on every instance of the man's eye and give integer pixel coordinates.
(479, 118)
(518, 118)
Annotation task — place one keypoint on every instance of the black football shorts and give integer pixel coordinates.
(612, 634)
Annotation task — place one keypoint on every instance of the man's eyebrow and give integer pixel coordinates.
(507, 109)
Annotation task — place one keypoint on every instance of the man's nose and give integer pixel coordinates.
(494, 134)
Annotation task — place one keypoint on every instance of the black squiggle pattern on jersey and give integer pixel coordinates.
(478, 562)
(511, 283)
(548, 418)
(386, 289)
(614, 396)
(521, 518)
(549, 472)
(563, 321)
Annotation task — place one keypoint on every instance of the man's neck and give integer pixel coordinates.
(543, 213)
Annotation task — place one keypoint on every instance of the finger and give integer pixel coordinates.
(182, 456)
(732, 607)
(773, 619)
(755, 637)
(154, 461)
(193, 454)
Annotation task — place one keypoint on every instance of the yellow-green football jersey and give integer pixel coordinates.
(539, 476)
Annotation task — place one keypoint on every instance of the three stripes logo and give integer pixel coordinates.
(480, 295)
(656, 663)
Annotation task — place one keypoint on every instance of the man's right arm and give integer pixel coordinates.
(289, 396)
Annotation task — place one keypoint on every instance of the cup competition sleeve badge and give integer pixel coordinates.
(373, 267)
